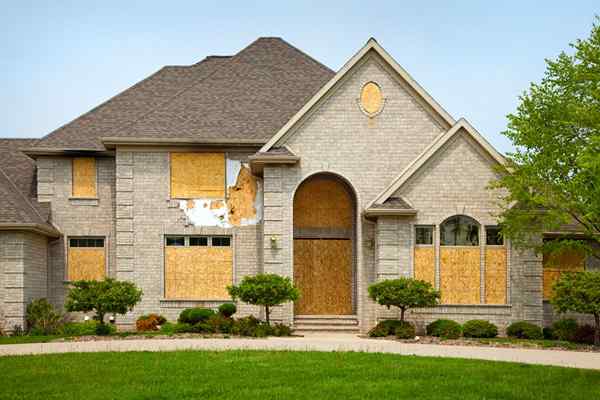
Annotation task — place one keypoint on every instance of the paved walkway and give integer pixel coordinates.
(315, 342)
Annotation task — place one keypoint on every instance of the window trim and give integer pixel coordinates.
(432, 235)
(478, 236)
(72, 196)
(486, 236)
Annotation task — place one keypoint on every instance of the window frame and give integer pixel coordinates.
(495, 227)
(460, 217)
(417, 227)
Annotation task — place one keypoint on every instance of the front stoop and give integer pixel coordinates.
(325, 324)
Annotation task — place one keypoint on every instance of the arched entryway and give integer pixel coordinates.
(324, 246)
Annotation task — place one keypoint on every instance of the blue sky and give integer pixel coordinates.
(60, 58)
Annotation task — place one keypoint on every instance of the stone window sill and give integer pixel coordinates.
(187, 303)
(84, 201)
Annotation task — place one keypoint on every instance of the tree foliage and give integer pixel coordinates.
(579, 292)
(108, 296)
(266, 290)
(404, 293)
(553, 177)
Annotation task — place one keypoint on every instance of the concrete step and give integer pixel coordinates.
(326, 323)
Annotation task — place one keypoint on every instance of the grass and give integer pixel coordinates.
(26, 339)
(542, 343)
(284, 375)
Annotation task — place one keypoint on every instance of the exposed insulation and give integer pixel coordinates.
(241, 198)
(205, 212)
(198, 273)
(197, 175)
(371, 98)
(323, 273)
(425, 264)
(323, 203)
(495, 275)
(556, 265)
(460, 275)
(84, 177)
(86, 263)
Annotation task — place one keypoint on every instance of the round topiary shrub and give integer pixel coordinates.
(196, 315)
(444, 328)
(564, 329)
(478, 328)
(385, 328)
(524, 330)
(227, 309)
(405, 330)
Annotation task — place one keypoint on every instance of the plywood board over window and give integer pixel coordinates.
(197, 175)
(460, 276)
(322, 202)
(86, 259)
(495, 275)
(425, 264)
(198, 273)
(84, 177)
(556, 265)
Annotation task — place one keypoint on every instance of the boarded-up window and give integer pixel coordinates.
(558, 264)
(84, 177)
(424, 256)
(460, 275)
(197, 175)
(201, 269)
(86, 259)
(495, 275)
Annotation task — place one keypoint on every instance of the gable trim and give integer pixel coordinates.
(430, 151)
(370, 45)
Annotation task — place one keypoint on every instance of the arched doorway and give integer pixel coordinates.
(324, 231)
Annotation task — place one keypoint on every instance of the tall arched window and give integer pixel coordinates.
(459, 230)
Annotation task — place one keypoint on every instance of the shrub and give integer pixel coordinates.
(250, 326)
(385, 328)
(182, 327)
(444, 328)
(579, 292)
(478, 328)
(149, 322)
(195, 315)
(584, 334)
(167, 328)
(405, 330)
(266, 290)
(108, 296)
(547, 333)
(217, 324)
(564, 329)
(103, 329)
(42, 318)
(227, 309)
(524, 330)
(404, 293)
(281, 330)
(17, 331)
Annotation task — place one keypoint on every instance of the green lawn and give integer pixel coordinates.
(283, 375)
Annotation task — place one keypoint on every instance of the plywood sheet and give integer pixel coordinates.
(86, 263)
(556, 265)
(460, 275)
(84, 177)
(371, 98)
(242, 197)
(323, 202)
(197, 175)
(495, 275)
(425, 264)
(198, 273)
(323, 273)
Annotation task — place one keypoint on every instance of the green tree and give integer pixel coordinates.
(404, 293)
(266, 290)
(108, 296)
(553, 177)
(579, 292)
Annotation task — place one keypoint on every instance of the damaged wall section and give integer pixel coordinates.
(242, 205)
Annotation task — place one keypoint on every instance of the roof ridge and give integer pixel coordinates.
(308, 56)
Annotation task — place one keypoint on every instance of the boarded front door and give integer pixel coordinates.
(323, 247)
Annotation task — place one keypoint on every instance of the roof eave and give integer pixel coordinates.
(42, 229)
(55, 151)
(381, 212)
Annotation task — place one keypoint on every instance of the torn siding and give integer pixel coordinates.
(241, 207)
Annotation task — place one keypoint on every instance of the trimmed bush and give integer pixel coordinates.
(167, 328)
(478, 328)
(85, 328)
(385, 328)
(564, 329)
(181, 327)
(42, 318)
(281, 330)
(444, 328)
(404, 293)
(250, 326)
(405, 330)
(524, 330)
(149, 322)
(227, 309)
(584, 334)
(104, 329)
(195, 315)
(547, 333)
(216, 324)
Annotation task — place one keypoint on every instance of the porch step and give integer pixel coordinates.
(326, 323)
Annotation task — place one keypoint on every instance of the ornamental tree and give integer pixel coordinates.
(552, 179)
(579, 292)
(108, 296)
(404, 293)
(266, 290)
